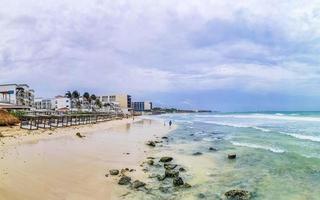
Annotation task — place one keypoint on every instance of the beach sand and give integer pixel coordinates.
(56, 164)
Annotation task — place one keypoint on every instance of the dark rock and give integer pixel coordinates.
(151, 143)
(132, 170)
(161, 177)
(150, 162)
(150, 158)
(177, 181)
(165, 138)
(181, 169)
(187, 185)
(164, 189)
(158, 165)
(156, 141)
(79, 135)
(124, 180)
(169, 166)
(197, 154)
(191, 134)
(136, 184)
(123, 171)
(237, 195)
(232, 156)
(166, 159)
(114, 172)
(107, 175)
(212, 149)
(171, 173)
(201, 195)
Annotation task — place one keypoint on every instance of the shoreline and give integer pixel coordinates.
(44, 158)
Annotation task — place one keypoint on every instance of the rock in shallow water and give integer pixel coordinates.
(166, 159)
(114, 172)
(232, 156)
(151, 143)
(169, 166)
(171, 173)
(212, 149)
(150, 162)
(137, 184)
(197, 154)
(237, 195)
(177, 181)
(124, 180)
(181, 169)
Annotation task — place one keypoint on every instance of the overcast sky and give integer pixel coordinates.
(222, 55)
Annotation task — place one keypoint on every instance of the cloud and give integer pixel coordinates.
(164, 46)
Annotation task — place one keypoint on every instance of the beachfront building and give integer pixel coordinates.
(62, 103)
(43, 104)
(121, 100)
(16, 96)
(142, 106)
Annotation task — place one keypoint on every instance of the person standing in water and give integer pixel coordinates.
(170, 123)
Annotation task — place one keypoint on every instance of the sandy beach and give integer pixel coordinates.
(56, 164)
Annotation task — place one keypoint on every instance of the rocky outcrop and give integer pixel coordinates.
(237, 195)
(232, 156)
(114, 172)
(166, 159)
(177, 181)
(169, 166)
(151, 143)
(124, 180)
(137, 184)
(171, 173)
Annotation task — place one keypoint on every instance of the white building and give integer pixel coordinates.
(16, 95)
(43, 104)
(61, 102)
(122, 101)
(142, 106)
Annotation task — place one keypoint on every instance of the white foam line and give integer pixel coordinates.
(257, 146)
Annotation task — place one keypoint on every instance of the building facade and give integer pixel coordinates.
(142, 106)
(123, 100)
(61, 102)
(16, 95)
(43, 104)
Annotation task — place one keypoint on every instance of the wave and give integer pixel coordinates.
(238, 125)
(303, 137)
(257, 146)
(271, 117)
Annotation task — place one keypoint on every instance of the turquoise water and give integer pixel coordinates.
(278, 153)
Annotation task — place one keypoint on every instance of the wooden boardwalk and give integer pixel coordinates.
(34, 122)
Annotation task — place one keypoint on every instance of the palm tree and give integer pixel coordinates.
(75, 95)
(86, 96)
(98, 103)
(93, 97)
(75, 98)
(68, 94)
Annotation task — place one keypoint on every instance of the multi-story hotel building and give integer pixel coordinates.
(43, 104)
(142, 106)
(123, 100)
(16, 96)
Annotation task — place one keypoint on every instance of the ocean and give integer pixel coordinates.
(278, 153)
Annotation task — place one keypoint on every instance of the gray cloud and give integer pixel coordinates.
(165, 46)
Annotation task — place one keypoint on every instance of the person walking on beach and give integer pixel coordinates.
(170, 123)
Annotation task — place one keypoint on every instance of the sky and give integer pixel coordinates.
(194, 54)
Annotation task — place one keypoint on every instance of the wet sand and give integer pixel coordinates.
(59, 165)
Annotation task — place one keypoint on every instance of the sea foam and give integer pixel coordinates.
(257, 146)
